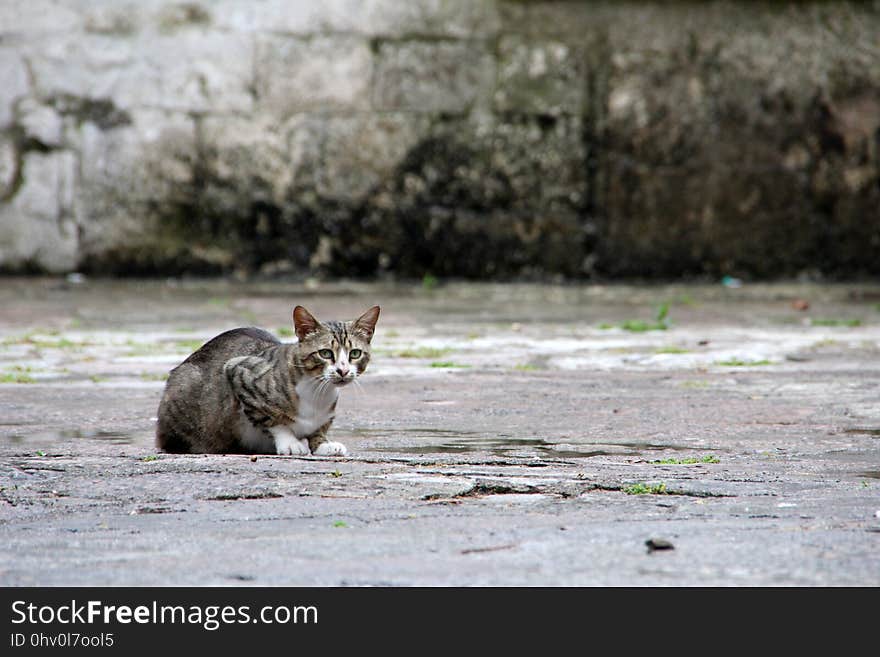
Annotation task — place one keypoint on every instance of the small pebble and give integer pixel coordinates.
(658, 544)
(253, 459)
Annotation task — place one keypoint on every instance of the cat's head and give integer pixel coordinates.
(337, 352)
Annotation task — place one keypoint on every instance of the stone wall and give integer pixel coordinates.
(480, 138)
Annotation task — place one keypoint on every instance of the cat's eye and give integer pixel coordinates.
(326, 353)
(354, 354)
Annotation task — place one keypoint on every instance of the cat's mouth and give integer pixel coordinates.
(339, 383)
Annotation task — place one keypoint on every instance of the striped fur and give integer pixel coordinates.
(239, 391)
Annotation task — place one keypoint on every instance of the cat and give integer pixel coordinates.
(244, 391)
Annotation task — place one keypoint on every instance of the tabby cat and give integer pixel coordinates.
(246, 392)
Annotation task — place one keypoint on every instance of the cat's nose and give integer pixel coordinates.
(342, 369)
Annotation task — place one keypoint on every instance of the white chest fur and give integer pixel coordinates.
(316, 406)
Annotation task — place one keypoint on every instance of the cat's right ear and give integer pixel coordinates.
(304, 322)
(366, 323)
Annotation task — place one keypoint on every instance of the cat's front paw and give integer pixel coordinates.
(331, 449)
(290, 445)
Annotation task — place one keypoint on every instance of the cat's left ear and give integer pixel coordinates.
(366, 323)
(304, 322)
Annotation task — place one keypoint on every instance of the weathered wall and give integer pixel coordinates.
(460, 137)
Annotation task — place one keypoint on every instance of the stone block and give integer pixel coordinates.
(291, 18)
(466, 19)
(149, 162)
(543, 161)
(555, 18)
(540, 77)
(41, 123)
(13, 81)
(85, 66)
(191, 70)
(433, 76)
(139, 158)
(37, 226)
(389, 18)
(194, 70)
(249, 157)
(477, 198)
(29, 17)
(113, 17)
(324, 73)
(338, 158)
(359, 152)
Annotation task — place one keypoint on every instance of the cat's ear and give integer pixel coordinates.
(304, 322)
(366, 323)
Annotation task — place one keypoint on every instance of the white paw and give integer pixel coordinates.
(290, 447)
(286, 443)
(331, 449)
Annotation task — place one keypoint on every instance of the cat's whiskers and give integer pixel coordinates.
(323, 383)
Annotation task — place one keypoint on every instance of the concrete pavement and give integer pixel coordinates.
(504, 435)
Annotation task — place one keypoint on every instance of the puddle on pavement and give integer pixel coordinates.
(523, 447)
(51, 437)
(443, 433)
(875, 433)
(497, 448)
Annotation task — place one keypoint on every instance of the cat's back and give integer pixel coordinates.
(236, 342)
(196, 390)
